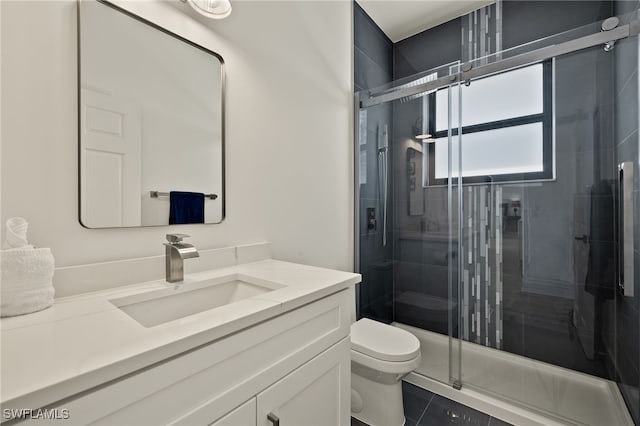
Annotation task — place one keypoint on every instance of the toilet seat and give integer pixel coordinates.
(383, 342)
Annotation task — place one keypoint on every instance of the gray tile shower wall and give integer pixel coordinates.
(373, 67)
(429, 49)
(521, 21)
(525, 21)
(373, 61)
(625, 348)
(420, 243)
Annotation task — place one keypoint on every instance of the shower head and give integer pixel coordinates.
(417, 82)
(425, 138)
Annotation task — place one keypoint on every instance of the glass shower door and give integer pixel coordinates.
(539, 305)
(408, 243)
(448, 146)
(489, 223)
(426, 288)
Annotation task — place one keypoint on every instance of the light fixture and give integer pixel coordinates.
(215, 9)
(424, 136)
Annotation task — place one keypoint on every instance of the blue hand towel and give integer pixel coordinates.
(186, 207)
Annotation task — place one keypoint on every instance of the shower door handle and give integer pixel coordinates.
(625, 229)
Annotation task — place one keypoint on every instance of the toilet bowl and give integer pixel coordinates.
(381, 355)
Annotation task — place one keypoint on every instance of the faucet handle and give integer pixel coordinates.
(176, 238)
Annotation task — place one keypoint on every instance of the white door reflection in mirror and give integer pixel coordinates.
(110, 160)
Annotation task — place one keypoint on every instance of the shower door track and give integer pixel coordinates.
(468, 72)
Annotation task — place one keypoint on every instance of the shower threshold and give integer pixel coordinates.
(516, 389)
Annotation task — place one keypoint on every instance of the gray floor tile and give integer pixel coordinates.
(425, 408)
(415, 400)
(356, 422)
(443, 411)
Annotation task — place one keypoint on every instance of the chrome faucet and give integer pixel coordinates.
(176, 251)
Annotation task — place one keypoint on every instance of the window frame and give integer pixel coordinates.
(545, 117)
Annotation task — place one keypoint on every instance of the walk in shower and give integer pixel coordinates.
(497, 219)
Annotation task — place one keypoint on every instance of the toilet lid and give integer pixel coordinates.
(382, 341)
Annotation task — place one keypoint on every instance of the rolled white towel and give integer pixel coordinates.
(26, 285)
(16, 233)
(21, 302)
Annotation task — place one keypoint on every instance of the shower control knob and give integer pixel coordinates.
(372, 224)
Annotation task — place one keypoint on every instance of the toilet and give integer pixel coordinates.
(381, 355)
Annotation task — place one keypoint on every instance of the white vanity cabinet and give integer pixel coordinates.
(315, 394)
(295, 365)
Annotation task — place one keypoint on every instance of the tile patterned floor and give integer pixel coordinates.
(424, 408)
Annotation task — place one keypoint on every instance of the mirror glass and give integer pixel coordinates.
(151, 133)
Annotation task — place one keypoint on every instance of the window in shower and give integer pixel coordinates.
(506, 126)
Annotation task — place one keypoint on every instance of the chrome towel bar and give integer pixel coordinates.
(156, 194)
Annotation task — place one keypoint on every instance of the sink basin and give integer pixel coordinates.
(191, 297)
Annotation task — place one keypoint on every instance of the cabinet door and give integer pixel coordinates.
(316, 394)
(244, 415)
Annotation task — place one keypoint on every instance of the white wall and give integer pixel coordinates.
(288, 140)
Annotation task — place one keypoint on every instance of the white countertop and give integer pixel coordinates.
(83, 341)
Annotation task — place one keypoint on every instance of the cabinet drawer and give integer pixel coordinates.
(207, 382)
